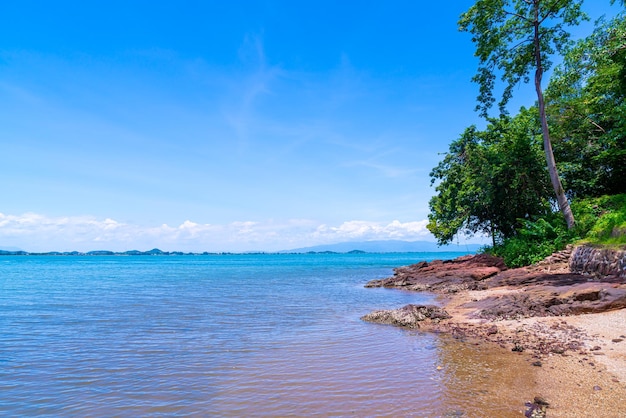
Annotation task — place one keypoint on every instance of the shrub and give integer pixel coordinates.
(599, 221)
(534, 241)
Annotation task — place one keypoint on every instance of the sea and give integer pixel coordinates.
(225, 335)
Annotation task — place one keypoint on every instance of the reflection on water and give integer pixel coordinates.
(262, 335)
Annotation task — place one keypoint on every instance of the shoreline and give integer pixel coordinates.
(578, 362)
(563, 325)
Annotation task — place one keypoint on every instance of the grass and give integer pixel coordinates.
(602, 220)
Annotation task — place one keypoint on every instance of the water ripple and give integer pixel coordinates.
(263, 335)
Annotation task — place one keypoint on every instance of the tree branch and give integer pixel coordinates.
(551, 10)
(592, 122)
(518, 16)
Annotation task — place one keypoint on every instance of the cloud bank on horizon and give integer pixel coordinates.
(38, 233)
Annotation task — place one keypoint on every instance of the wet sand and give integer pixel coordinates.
(577, 364)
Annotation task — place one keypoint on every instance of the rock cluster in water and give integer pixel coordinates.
(409, 316)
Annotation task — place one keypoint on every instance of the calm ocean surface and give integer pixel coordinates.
(219, 335)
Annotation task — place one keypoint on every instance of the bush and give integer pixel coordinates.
(534, 241)
(599, 221)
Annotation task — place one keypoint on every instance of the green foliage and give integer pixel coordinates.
(512, 36)
(602, 219)
(535, 241)
(490, 181)
(586, 108)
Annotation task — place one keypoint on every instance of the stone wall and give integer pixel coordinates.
(598, 261)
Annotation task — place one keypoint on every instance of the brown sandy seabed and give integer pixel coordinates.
(577, 364)
(589, 381)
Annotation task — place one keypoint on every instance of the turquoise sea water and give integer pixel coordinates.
(219, 335)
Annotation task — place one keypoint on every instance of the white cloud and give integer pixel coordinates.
(364, 230)
(36, 232)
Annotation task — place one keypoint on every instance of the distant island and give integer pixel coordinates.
(153, 252)
(388, 246)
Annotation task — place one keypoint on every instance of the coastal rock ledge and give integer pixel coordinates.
(571, 282)
(444, 276)
(533, 312)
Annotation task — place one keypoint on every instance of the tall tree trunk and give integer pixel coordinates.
(547, 144)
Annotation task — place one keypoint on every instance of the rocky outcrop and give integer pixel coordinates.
(409, 316)
(481, 294)
(599, 262)
(547, 288)
(448, 276)
(540, 300)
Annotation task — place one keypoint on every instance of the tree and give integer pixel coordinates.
(490, 181)
(457, 204)
(586, 105)
(512, 37)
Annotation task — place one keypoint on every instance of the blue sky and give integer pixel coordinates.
(228, 126)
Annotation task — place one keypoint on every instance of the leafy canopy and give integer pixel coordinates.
(504, 30)
(491, 180)
(586, 106)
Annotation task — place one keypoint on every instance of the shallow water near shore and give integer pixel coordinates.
(229, 335)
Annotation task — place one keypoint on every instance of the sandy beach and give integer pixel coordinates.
(589, 381)
(592, 382)
(568, 329)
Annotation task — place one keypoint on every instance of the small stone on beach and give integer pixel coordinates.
(492, 330)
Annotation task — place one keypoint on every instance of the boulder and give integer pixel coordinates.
(409, 316)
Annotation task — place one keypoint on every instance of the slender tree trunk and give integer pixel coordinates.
(547, 144)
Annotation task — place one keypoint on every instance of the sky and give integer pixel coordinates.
(228, 126)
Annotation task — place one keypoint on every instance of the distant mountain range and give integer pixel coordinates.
(390, 246)
(387, 246)
(154, 251)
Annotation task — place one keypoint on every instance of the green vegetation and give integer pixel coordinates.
(517, 38)
(603, 220)
(487, 182)
(534, 242)
(600, 221)
(587, 108)
(495, 181)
